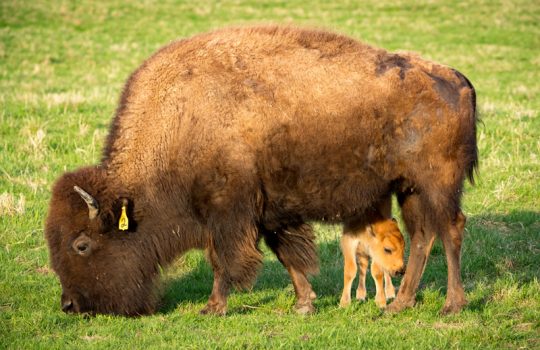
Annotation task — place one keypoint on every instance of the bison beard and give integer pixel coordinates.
(226, 138)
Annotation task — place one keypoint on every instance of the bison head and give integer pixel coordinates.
(101, 268)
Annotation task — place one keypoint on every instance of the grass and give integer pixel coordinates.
(62, 66)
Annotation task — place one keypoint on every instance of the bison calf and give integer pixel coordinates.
(244, 133)
(381, 241)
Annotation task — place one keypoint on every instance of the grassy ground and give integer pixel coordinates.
(62, 66)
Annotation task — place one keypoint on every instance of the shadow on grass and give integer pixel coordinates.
(495, 246)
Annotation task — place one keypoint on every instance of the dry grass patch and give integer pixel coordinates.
(11, 205)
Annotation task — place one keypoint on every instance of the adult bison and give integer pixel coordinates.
(244, 133)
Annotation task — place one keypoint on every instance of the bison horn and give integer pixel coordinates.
(93, 206)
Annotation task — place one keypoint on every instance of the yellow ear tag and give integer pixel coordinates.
(123, 223)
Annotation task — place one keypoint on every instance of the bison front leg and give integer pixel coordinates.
(235, 263)
(294, 247)
(422, 237)
(217, 303)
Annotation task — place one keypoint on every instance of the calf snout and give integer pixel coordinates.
(401, 272)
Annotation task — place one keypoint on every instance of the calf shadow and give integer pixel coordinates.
(495, 246)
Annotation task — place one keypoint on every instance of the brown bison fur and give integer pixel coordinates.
(241, 134)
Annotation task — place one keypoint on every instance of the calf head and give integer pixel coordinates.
(102, 269)
(387, 246)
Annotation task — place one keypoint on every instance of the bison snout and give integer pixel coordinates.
(67, 306)
(401, 272)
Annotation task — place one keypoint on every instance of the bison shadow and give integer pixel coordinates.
(495, 245)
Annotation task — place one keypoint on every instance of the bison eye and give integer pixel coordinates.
(388, 250)
(82, 245)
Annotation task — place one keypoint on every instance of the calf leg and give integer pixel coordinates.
(361, 292)
(378, 275)
(422, 237)
(348, 248)
(452, 238)
(385, 209)
(389, 290)
(294, 247)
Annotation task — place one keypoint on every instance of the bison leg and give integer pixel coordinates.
(294, 246)
(235, 263)
(422, 237)
(455, 295)
(304, 292)
(217, 303)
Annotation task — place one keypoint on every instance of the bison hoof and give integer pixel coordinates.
(453, 307)
(305, 309)
(397, 306)
(217, 310)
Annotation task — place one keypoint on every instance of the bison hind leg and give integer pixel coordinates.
(427, 216)
(422, 236)
(294, 246)
(452, 238)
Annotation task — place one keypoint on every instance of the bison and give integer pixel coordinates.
(243, 134)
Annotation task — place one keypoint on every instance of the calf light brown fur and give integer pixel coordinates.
(243, 134)
(381, 241)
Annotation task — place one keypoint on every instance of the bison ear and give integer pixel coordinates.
(123, 215)
(93, 205)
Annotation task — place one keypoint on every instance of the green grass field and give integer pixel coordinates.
(62, 67)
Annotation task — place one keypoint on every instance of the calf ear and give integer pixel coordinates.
(370, 230)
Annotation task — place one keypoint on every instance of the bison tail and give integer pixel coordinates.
(471, 165)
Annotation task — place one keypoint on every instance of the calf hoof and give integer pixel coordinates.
(390, 294)
(344, 302)
(361, 296)
(398, 305)
(217, 310)
(381, 303)
(305, 309)
(453, 307)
